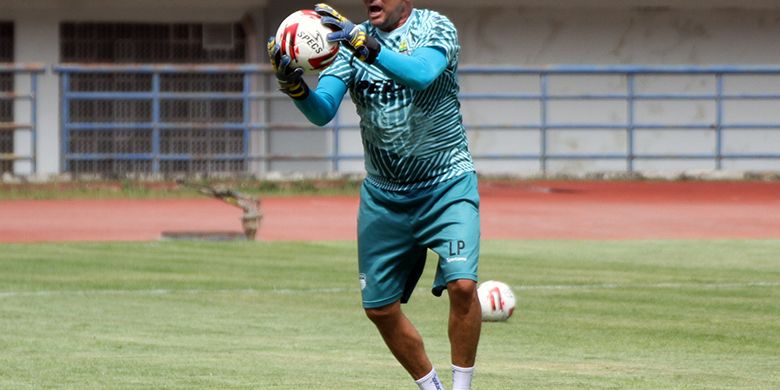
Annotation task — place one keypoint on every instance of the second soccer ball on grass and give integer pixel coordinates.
(497, 301)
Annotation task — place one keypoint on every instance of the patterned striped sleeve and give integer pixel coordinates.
(443, 35)
(340, 67)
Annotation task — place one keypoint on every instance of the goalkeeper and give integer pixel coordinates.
(420, 191)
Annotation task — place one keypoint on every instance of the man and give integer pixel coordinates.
(421, 189)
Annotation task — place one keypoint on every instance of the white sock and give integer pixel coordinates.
(461, 377)
(430, 381)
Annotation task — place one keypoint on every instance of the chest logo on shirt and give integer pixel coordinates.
(403, 47)
(387, 88)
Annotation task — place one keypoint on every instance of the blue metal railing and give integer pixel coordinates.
(631, 97)
(544, 124)
(156, 97)
(33, 71)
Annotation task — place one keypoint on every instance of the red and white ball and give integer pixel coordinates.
(302, 37)
(497, 301)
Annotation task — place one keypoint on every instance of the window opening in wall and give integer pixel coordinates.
(184, 43)
(6, 85)
(218, 36)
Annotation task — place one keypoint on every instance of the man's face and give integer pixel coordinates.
(387, 15)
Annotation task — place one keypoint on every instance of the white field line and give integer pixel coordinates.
(335, 290)
(163, 291)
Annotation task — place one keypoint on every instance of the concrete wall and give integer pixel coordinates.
(498, 32)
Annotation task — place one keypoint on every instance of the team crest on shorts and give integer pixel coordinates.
(362, 281)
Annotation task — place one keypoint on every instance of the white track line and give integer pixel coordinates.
(611, 286)
(335, 290)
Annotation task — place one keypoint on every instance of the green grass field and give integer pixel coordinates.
(187, 315)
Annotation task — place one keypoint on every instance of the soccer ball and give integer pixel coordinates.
(302, 37)
(497, 301)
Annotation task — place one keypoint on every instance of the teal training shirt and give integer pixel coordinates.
(411, 138)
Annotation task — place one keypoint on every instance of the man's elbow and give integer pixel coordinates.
(320, 116)
(421, 83)
(422, 79)
(320, 120)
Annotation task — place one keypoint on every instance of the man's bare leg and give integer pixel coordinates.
(402, 338)
(464, 327)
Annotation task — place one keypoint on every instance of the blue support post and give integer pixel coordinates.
(34, 122)
(64, 121)
(156, 123)
(336, 142)
(543, 122)
(719, 121)
(247, 90)
(630, 126)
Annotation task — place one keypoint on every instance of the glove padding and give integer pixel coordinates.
(290, 79)
(363, 46)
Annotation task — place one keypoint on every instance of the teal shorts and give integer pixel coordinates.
(396, 229)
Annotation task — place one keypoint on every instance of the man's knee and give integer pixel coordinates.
(384, 313)
(462, 291)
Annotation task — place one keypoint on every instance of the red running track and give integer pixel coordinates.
(511, 210)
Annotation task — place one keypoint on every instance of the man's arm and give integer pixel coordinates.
(417, 71)
(321, 106)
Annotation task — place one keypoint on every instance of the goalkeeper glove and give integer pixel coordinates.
(290, 79)
(364, 47)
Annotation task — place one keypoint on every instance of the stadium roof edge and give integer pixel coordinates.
(247, 4)
(136, 4)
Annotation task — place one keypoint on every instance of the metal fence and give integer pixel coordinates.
(8, 154)
(154, 119)
(162, 143)
(630, 98)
